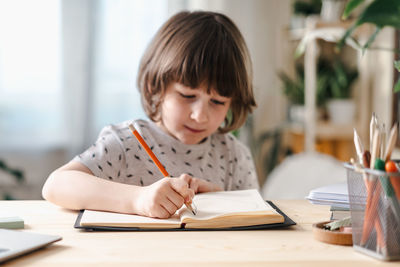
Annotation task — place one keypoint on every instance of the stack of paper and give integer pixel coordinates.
(332, 195)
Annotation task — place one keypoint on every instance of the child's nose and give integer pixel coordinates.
(199, 112)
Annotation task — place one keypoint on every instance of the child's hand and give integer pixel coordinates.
(202, 186)
(163, 198)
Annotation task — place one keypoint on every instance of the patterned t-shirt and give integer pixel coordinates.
(118, 156)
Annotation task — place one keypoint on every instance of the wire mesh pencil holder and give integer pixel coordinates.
(375, 212)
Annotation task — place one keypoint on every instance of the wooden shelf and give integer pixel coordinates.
(326, 130)
(298, 33)
(330, 139)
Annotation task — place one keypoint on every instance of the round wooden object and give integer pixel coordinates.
(332, 237)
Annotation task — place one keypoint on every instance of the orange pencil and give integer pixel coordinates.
(371, 216)
(392, 166)
(154, 158)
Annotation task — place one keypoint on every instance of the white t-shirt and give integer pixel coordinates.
(118, 156)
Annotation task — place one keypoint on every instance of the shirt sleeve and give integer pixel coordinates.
(244, 173)
(106, 157)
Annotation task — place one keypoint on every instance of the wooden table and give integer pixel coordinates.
(294, 246)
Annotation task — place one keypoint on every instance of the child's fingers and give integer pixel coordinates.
(181, 186)
(170, 206)
(176, 199)
(186, 178)
(202, 186)
(163, 213)
(159, 212)
(172, 200)
(194, 185)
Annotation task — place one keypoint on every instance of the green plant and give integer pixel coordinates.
(17, 174)
(307, 7)
(381, 13)
(334, 80)
(294, 88)
(268, 148)
(340, 80)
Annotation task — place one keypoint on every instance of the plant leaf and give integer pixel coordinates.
(382, 13)
(371, 39)
(300, 49)
(397, 86)
(397, 65)
(293, 89)
(19, 176)
(351, 5)
(346, 35)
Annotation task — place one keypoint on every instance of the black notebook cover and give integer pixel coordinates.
(287, 222)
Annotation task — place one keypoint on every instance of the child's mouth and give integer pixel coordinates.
(194, 130)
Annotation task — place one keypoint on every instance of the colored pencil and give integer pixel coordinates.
(154, 158)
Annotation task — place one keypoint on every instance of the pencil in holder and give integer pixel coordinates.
(375, 212)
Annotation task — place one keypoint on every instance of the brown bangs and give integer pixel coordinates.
(205, 58)
(198, 49)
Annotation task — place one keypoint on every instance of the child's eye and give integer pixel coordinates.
(217, 102)
(186, 96)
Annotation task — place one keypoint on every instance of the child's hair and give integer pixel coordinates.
(198, 49)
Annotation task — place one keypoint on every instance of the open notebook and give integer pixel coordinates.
(215, 210)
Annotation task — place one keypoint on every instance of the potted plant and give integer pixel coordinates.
(334, 90)
(340, 105)
(294, 89)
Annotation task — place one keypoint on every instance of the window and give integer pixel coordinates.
(124, 29)
(68, 68)
(30, 65)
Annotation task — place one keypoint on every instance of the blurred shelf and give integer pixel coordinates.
(332, 139)
(326, 130)
(298, 33)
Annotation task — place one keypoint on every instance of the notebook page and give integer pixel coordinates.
(214, 204)
(103, 218)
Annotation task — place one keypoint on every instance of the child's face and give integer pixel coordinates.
(190, 115)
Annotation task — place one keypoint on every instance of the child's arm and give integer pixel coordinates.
(73, 186)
